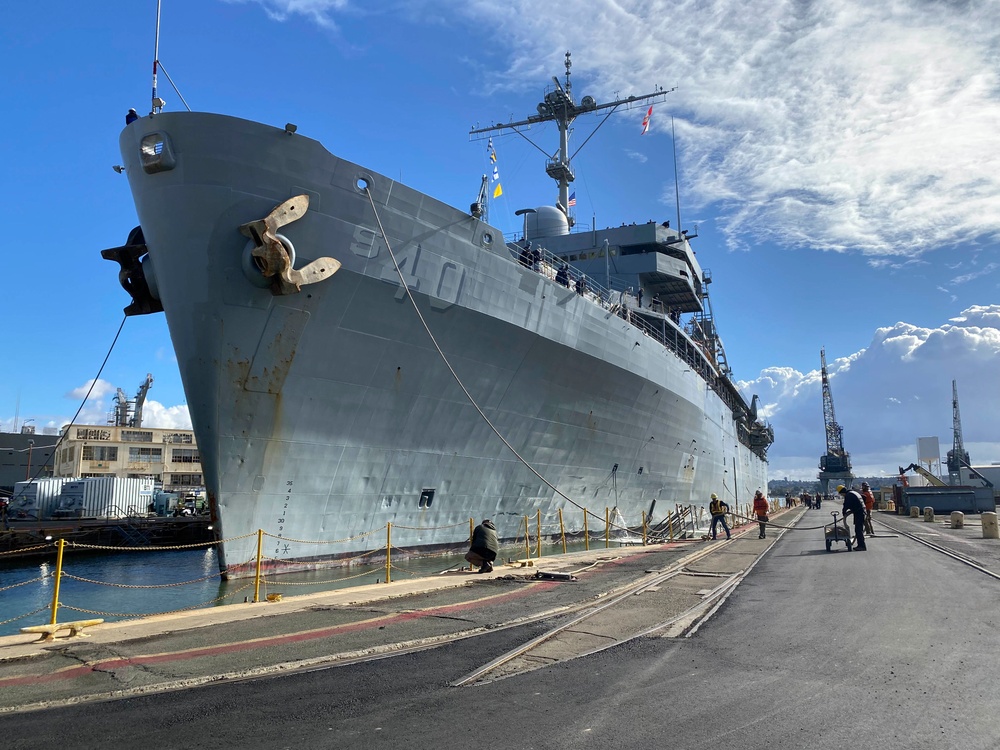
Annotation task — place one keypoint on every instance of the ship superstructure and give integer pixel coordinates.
(356, 353)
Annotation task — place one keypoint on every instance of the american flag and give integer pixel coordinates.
(572, 200)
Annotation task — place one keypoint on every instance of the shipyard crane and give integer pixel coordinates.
(140, 399)
(836, 463)
(957, 456)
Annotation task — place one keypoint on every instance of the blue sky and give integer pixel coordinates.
(840, 160)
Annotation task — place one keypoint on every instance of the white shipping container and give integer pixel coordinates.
(36, 499)
(106, 497)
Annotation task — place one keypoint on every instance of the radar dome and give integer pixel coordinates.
(545, 221)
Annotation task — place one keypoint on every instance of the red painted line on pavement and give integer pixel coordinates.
(226, 648)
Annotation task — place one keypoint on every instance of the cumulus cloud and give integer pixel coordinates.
(155, 414)
(839, 125)
(887, 395)
(97, 389)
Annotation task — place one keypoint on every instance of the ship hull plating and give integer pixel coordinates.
(321, 416)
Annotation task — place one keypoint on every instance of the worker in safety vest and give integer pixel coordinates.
(718, 509)
(760, 508)
(869, 498)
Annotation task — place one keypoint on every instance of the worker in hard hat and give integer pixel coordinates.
(718, 508)
(854, 505)
(869, 498)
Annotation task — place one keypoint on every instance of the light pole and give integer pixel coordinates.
(27, 473)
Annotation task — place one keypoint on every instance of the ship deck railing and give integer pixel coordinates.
(655, 323)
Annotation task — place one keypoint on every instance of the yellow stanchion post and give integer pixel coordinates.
(538, 533)
(644, 528)
(586, 531)
(55, 590)
(256, 575)
(670, 528)
(607, 527)
(527, 539)
(562, 531)
(388, 552)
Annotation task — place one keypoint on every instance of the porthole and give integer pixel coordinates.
(487, 239)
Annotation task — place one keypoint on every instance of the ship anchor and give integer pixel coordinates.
(271, 256)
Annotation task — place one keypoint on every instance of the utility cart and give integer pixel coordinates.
(838, 531)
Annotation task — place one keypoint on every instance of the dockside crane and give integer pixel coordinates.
(836, 464)
(957, 456)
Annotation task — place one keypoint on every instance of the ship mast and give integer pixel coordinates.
(559, 107)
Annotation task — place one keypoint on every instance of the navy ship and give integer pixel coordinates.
(356, 353)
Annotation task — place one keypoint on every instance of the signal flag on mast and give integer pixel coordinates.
(645, 120)
(498, 190)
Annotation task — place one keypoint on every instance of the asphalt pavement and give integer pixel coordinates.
(891, 648)
(240, 641)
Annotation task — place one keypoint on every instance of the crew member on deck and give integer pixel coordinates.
(131, 116)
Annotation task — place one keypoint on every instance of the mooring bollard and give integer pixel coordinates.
(990, 528)
(957, 519)
(929, 514)
(914, 511)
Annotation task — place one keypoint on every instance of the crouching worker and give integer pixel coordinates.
(485, 546)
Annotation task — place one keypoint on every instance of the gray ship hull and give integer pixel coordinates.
(324, 415)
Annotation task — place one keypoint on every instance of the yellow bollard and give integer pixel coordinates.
(538, 533)
(644, 528)
(256, 576)
(562, 531)
(388, 552)
(55, 590)
(586, 531)
(607, 527)
(527, 539)
(670, 528)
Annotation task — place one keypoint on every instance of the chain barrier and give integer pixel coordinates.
(282, 582)
(429, 528)
(26, 614)
(362, 535)
(22, 550)
(137, 585)
(24, 583)
(530, 538)
(129, 616)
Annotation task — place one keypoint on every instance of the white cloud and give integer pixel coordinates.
(101, 388)
(155, 414)
(890, 393)
(842, 125)
(319, 12)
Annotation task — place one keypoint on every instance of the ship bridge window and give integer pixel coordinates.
(156, 154)
(426, 498)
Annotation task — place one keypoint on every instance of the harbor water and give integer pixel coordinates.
(128, 585)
